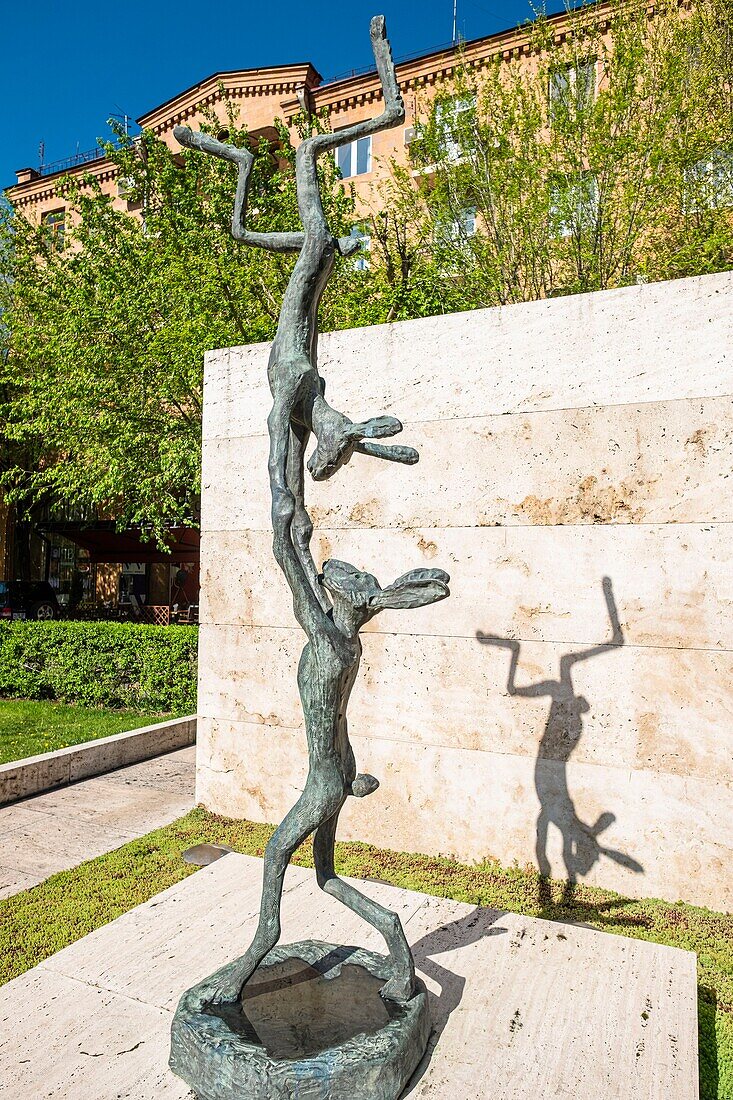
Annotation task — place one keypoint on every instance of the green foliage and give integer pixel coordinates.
(116, 665)
(29, 728)
(103, 380)
(42, 920)
(599, 161)
(403, 279)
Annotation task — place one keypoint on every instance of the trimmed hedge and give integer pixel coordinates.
(100, 664)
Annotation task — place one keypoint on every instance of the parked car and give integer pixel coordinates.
(28, 600)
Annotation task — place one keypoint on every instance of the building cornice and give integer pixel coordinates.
(282, 80)
(292, 86)
(42, 188)
(442, 64)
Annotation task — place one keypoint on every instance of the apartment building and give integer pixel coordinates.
(263, 95)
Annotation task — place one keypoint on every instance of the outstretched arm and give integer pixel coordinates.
(205, 143)
(394, 107)
(530, 691)
(617, 635)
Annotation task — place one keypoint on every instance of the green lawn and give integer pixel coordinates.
(46, 918)
(29, 728)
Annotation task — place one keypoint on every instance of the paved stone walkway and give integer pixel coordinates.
(522, 1009)
(52, 832)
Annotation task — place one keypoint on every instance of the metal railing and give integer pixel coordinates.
(398, 61)
(74, 161)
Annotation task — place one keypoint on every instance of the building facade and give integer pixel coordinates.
(264, 95)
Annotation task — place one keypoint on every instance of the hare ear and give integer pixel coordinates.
(376, 428)
(414, 589)
(604, 822)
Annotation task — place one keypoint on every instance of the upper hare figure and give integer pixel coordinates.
(296, 385)
(299, 406)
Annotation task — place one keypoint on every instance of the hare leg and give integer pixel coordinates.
(401, 985)
(283, 501)
(302, 527)
(308, 813)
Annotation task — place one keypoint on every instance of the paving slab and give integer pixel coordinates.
(110, 806)
(122, 1055)
(53, 844)
(163, 773)
(523, 1009)
(59, 829)
(13, 881)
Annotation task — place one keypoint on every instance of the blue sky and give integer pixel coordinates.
(67, 67)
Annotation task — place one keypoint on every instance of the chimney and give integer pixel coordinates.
(26, 175)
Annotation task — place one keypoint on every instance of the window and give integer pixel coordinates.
(572, 88)
(709, 182)
(133, 583)
(451, 116)
(54, 225)
(573, 204)
(355, 159)
(461, 229)
(360, 259)
(69, 571)
(125, 187)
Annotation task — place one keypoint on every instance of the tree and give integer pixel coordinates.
(107, 334)
(597, 161)
(17, 457)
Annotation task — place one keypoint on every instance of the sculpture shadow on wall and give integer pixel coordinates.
(581, 847)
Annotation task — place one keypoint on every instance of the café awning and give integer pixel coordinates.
(106, 544)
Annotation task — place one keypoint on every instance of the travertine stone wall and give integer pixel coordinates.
(561, 442)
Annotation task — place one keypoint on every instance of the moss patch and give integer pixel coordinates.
(40, 921)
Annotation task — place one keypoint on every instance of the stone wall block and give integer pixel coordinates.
(561, 442)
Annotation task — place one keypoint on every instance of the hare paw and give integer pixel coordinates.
(364, 785)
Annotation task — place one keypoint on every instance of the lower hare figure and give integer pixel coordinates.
(326, 675)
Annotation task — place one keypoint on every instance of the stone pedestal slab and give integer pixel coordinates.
(312, 1024)
(521, 1008)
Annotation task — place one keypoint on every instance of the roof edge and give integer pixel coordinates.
(518, 30)
(312, 77)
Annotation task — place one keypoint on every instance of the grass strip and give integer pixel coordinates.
(30, 727)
